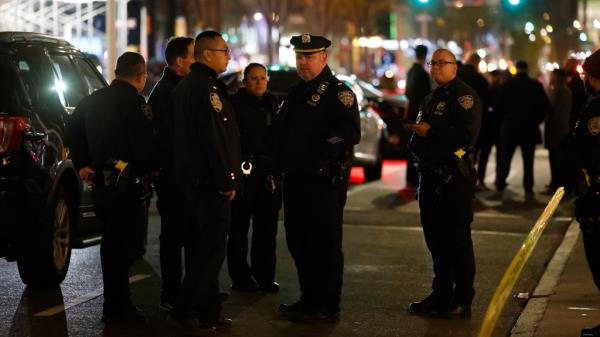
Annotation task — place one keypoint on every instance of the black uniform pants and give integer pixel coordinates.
(123, 218)
(446, 216)
(313, 215)
(171, 238)
(558, 166)
(507, 150)
(259, 204)
(205, 239)
(588, 214)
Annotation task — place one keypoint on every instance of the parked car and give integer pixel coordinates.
(391, 108)
(368, 153)
(45, 209)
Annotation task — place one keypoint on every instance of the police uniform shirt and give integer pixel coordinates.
(114, 123)
(314, 112)
(454, 113)
(206, 146)
(586, 136)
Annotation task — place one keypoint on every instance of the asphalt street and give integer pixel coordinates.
(387, 266)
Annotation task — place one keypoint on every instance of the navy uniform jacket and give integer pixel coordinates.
(586, 137)
(255, 119)
(206, 141)
(162, 107)
(314, 112)
(454, 113)
(113, 123)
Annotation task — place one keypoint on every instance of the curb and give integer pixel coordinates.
(534, 310)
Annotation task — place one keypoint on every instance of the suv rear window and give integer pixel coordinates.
(70, 90)
(12, 93)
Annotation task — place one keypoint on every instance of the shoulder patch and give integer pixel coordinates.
(147, 110)
(594, 126)
(215, 101)
(466, 101)
(346, 97)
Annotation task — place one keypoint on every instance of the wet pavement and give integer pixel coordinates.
(387, 266)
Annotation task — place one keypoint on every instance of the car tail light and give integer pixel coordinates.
(11, 129)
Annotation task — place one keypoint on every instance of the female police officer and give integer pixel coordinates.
(260, 199)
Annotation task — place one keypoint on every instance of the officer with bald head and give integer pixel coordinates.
(444, 134)
(317, 128)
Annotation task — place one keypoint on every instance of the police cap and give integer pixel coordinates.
(592, 64)
(308, 44)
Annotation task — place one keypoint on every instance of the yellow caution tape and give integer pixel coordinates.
(514, 270)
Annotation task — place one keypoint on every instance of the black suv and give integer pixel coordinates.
(45, 209)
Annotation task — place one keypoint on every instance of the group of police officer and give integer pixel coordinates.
(306, 144)
(187, 140)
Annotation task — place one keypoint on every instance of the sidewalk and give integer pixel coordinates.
(566, 299)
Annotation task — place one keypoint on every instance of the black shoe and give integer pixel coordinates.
(272, 287)
(324, 315)
(460, 311)
(591, 332)
(215, 324)
(430, 305)
(291, 309)
(247, 286)
(125, 315)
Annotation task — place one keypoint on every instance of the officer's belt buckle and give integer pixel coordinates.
(246, 167)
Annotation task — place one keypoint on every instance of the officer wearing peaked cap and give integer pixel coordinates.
(317, 127)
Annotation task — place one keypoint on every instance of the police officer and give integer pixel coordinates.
(179, 55)
(260, 199)
(318, 125)
(585, 145)
(445, 132)
(110, 138)
(206, 161)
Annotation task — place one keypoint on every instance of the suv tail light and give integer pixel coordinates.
(11, 129)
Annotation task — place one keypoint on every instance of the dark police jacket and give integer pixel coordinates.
(313, 117)
(206, 142)
(113, 123)
(585, 142)
(255, 120)
(454, 113)
(162, 107)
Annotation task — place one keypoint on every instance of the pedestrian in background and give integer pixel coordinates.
(522, 105)
(471, 75)
(206, 162)
(576, 85)
(179, 55)
(317, 128)
(110, 138)
(260, 197)
(443, 141)
(585, 147)
(556, 128)
(418, 86)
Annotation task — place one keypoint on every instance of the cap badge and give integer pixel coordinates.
(305, 38)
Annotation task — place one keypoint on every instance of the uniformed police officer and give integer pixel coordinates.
(318, 125)
(206, 161)
(179, 55)
(110, 138)
(445, 132)
(260, 198)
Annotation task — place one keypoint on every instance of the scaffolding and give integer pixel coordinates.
(80, 22)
